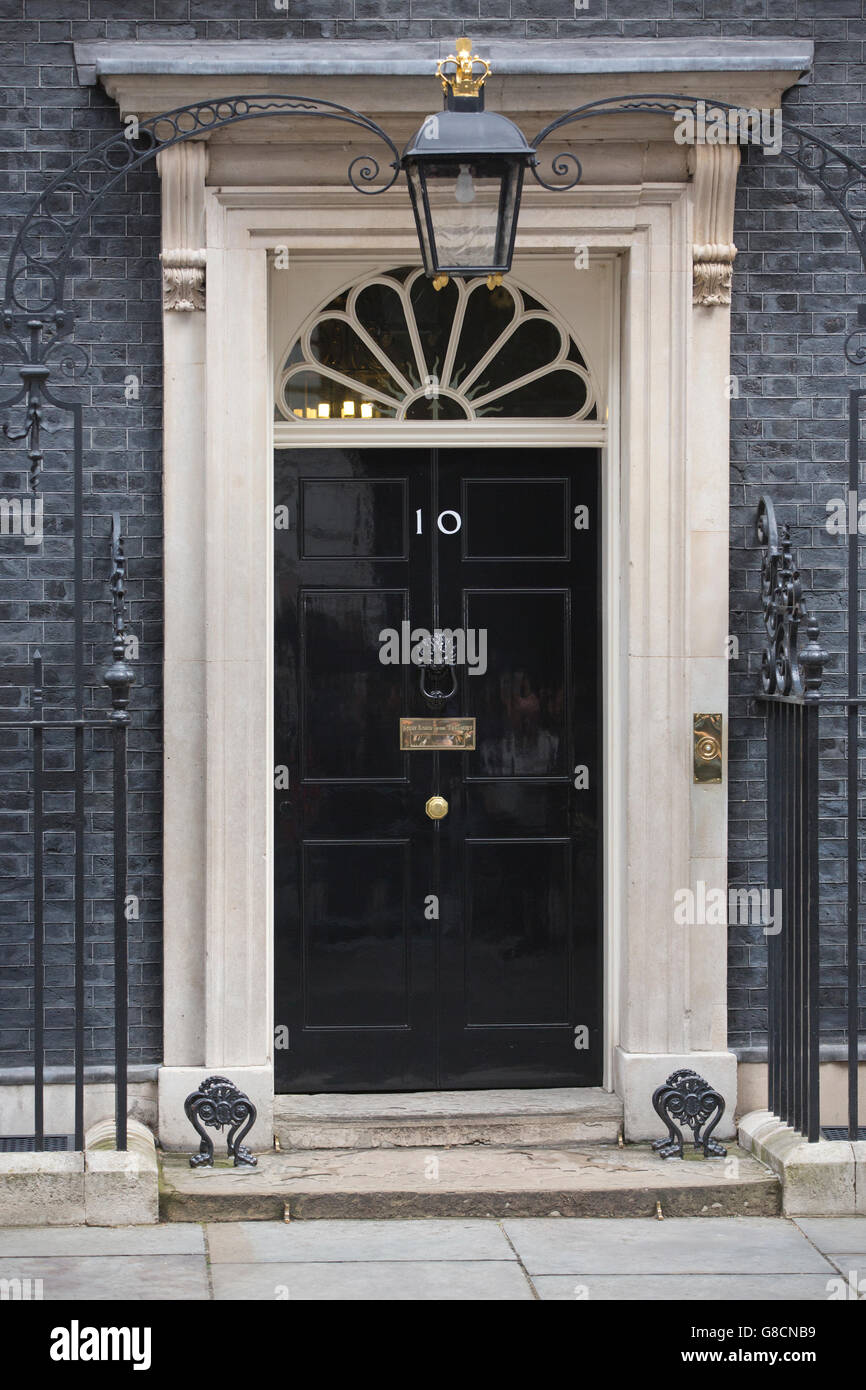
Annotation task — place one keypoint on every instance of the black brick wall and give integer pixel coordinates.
(794, 278)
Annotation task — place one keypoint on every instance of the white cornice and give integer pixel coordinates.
(147, 77)
(95, 61)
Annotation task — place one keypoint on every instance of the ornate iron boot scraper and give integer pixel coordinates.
(218, 1103)
(692, 1101)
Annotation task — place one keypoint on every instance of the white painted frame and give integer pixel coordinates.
(665, 624)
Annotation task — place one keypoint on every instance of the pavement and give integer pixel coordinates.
(691, 1258)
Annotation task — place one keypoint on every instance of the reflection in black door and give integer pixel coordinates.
(414, 954)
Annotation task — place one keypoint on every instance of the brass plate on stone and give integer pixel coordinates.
(707, 737)
(437, 735)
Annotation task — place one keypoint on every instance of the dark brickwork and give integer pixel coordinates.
(794, 281)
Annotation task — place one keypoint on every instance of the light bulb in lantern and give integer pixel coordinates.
(348, 409)
(324, 410)
(366, 410)
(464, 190)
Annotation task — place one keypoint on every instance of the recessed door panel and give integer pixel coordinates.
(356, 934)
(521, 700)
(349, 702)
(516, 519)
(517, 900)
(352, 518)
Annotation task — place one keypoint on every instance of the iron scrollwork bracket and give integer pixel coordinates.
(686, 1097)
(219, 1104)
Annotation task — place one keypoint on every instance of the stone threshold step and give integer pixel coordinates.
(594, 1180)
(552, 1117)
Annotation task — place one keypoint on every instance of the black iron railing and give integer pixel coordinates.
(49, 782)
(791, 696)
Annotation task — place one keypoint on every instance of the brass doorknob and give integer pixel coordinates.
(436, 807)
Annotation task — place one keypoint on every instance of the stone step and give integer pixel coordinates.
(552, 1118)
(589, 1180)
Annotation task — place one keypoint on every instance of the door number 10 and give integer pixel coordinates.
(449, 523)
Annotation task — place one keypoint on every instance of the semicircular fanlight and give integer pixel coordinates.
(393, 347)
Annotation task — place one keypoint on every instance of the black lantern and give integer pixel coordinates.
(465, 171)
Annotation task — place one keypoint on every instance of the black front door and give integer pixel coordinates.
(411, 953)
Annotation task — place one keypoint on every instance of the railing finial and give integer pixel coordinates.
(785, 671)
(120, 675)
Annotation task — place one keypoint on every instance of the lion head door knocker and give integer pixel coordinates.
(687, 1099)
(437, 678)
(219, 1104)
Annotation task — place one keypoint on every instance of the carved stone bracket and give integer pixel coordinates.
(183, 279)
(714, 168)
(182, 169)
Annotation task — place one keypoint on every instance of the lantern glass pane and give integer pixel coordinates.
(419, 205)
(469, 210)
(464, 211)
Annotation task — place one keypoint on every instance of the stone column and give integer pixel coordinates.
(182, 169)
(673, 980)
(230, 968)
(217, 912)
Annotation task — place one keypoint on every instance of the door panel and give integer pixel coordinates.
(376, 990)
(517, 937)
(520, 702)
(356, 933)
(344, 694)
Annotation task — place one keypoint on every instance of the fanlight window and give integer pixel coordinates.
(393, 347)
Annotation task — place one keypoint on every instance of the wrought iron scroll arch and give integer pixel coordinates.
(118, 156)
(815, 165)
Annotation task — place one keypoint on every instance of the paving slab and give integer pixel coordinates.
(683, 1288)
(174, 1239)
(324, 1241)
(397, 1281)
(108, 1278)
(835, 1235)
(692, 1246)
(590, 1180)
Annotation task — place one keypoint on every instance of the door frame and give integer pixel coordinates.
(665, 623)
(602, 434)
